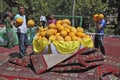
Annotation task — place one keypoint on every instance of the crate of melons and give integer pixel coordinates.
(60, 38)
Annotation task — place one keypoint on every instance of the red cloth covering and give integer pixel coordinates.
(10, 70)
(38, 63)
(107, 69)
(20, 61)
(80, 61)
(87, 57)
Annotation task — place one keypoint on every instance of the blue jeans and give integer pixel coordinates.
(23, 42)
(98, 43)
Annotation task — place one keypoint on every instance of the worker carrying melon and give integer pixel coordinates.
(100, 24)
(21, 25)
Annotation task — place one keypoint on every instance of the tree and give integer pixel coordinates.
(85, 8)
(114, 7)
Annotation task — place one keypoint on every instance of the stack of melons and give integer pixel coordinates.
(61, 31)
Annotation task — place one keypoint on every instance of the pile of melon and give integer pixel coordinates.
(19, 22)
(61, 31)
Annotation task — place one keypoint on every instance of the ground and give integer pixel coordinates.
(112, 47)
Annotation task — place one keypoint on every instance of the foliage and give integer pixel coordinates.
(3, 6)
(114, 8)
(85, 8)
(109, 31)
(62, 7)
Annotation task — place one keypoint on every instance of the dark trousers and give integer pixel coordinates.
(43, 23)
(98, 43)
(23, 42)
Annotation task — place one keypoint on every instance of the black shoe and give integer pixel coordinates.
(103, 53)
(26, 54)
(31, 54)
(21, 55)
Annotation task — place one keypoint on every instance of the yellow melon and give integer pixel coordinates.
(57, 25)
(46, 28)
(71, 34)
(73, 29)
(19, 22)
(52, 38)
(100, 17)
(39, 37)
(80, 29)
(43, 33)
(59, 38)
(55, 31)
(87, 36)
(66, 21)
(95, 17)
(41, 29)
(78, 39)
(37, 34)
(50, 32)
(44, 39)
(80, 34)
(52, 26)
(57, 34)
(60, 28)
(30, 23)
(67, 29)
(67, 38)
(74, 38)
(63, 33)
(65, 25)
(59, 22)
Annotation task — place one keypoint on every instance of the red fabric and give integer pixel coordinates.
(81, 61)
(38, 63)
(105, 69)
(74, 60)
(116, 72)
(75, 67)
(89, 51)
(18, 61)
(93, 57)
(12, 71)
(78, 58)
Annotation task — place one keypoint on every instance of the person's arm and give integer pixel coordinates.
(8, 23)
(99, 26)
(40, 18)
(102, 24)
(14, 21)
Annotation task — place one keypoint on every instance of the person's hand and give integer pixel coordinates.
(99, 26)
(37, 30)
